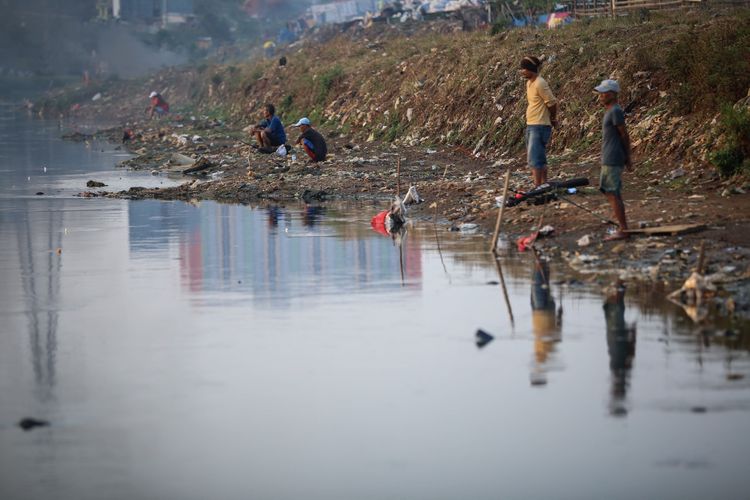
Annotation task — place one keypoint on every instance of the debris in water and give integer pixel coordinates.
(482, 338)
(694, 296)
(29, 423)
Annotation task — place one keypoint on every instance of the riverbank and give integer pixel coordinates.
(444, 113)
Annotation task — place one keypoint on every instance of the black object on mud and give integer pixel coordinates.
(546, 192)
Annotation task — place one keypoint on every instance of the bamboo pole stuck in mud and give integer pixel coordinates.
(493, 246)
(504, 288)
(701, 264)
(398, 176)
(434, 223)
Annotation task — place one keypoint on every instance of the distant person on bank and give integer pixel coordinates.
(311, 141)
(157, 106)
(541, 116)
(616, 155)
(269, 132)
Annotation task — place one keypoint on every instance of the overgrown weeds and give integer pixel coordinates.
(327, 81)
(734, 157)
(711, 67)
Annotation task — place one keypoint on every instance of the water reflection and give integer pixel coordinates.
(231, 247)
(163, 328)
(38, 237)
(311, 214)
(545, 321)
(620, 346)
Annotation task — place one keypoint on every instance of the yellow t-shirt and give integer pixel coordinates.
(539, 96)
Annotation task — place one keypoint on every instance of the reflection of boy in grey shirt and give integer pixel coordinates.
(615, 154)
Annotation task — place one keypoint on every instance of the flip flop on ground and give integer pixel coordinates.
(619, 235)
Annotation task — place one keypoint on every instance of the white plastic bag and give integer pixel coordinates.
(281, 151)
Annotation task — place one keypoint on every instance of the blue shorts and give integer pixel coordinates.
(537, 137)
(160, 111)
(610, 180)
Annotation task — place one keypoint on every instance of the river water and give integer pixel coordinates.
(194, 351)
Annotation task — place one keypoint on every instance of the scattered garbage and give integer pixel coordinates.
(694, 296)
(468, 227)
(584, 241)
(677, 173)
(524, 242)
(546, 230)
(181, 159)
(412, 196)
(199, 166)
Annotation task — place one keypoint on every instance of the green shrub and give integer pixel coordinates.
(710, 67)
(728, 161)
(327, 80)
(734, 158)
(286, 104)
(394, 128)
(500, 25)
(735, 124)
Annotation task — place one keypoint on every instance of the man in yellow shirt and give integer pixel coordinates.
(541, 116)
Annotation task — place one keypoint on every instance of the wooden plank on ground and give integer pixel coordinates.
(673, 229)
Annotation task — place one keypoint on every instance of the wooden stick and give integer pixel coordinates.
(505, 290)
(493, 247)
(701, 258)
(434, 224)
(398, 176)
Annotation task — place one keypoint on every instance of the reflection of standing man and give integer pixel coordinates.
(621, 348)
(544, 322)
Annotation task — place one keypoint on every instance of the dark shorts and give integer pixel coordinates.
(275, 141)
(610, 180)
(537, 137)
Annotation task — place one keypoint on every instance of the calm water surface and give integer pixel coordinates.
(288, 352)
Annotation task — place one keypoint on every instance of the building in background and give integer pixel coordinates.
(163, 12)
(342, 11)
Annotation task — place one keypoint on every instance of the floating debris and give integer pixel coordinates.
(29, 423)
(482, 338)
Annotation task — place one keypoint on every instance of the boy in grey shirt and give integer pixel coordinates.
(616, 155)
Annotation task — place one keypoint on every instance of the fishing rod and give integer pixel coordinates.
(551, 191)
(596, 215)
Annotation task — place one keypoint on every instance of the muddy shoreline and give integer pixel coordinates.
(460, 193)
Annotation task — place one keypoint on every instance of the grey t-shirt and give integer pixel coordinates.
(613, 149)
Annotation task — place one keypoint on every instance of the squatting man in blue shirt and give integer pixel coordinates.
(269, 132)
